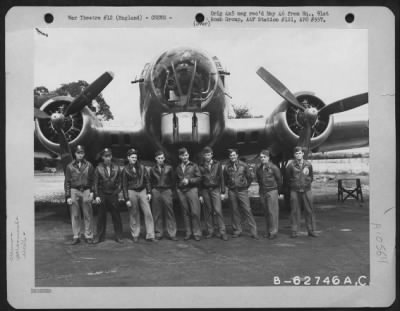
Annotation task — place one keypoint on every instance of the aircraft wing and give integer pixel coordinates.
(250, 136)
(347, 135)
(120, 139)
(246, 135)
(95, 137)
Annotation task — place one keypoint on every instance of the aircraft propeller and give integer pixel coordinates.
(308, 116)
(57, 118)
(40, 114)
(345, 104)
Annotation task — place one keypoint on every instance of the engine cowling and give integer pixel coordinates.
(79, 127)
(284, 123)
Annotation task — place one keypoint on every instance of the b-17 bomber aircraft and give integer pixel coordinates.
(183, 102)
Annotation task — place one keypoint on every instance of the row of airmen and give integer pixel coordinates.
(206, 184)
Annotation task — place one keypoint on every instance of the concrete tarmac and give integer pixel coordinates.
(341, 250)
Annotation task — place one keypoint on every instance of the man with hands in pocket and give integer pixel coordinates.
(269, 179)
(137, 194)
(238, 180)
(188, 178)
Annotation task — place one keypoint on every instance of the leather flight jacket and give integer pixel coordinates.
(107, 183)
(299, 176)
(162, 178)
(269, 177)
(212, 177)
(135, 177)
(239, 178)
(80, 178)
(191, 173)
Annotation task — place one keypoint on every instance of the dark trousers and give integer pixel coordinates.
(190, 204)
(240, 199)
(212, 204)
(270, 204)
(297, 200)
(109, 202)
(162, 206)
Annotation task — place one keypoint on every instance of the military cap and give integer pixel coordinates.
(182, 151)
(232, 150)
(106, 151)
(158, 153)
(297, 149)
(131, 151)
(207, 150)
(266, 152)
(79, 148)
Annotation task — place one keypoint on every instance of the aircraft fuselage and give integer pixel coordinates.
(182, 100)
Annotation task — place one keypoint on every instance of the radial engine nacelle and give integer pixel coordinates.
(79, 127)
(285, 123)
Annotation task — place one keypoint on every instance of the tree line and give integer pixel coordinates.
(99, 106)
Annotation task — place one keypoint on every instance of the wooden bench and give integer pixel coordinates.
(347, 186)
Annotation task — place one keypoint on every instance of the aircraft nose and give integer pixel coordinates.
(184, 78)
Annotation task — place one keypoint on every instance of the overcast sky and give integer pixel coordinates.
(333, 63)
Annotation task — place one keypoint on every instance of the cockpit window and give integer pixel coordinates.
(184, 78)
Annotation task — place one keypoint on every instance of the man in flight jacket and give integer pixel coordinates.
(107, 185)
(188, 179)
(79, 175)
(137, 194)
